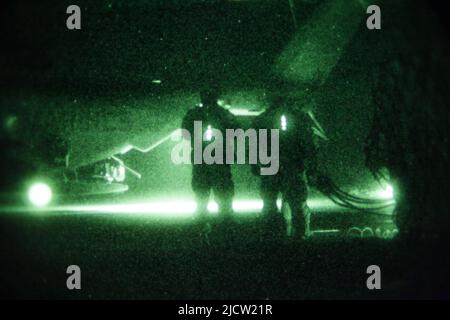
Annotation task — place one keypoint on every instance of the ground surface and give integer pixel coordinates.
(130, 257)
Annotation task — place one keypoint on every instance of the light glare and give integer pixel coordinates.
(40, 194)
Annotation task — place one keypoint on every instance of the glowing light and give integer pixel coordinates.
(283, 123)
(129, 147)
(386, 193)
(239, 206)
(213, 207)
(169, 208)
(208, 133)
(326, 231)
(244, 112)
(248, 205)
(186, 207)
(40, 194)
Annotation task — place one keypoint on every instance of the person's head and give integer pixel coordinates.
(209, 97)
(277, 101)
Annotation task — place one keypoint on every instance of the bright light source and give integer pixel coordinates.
(386, 193)
(283, 123)
(208, 134)
(240, 206)
(187, 207)
(247, 205)
(158, 208)
(244, 112)
(40, 194)
(213, 207)
(326, 231)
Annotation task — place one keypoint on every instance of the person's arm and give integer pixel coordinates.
(310, 149)
(256, 124)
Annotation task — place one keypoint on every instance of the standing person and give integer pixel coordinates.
(297, 161)
(207, 177)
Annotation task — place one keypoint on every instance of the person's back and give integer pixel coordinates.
(295, 135)
(209, 116)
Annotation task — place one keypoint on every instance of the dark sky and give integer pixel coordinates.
(126, 44)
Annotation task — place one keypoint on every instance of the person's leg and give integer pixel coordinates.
(269, 191)
(296, 194)
(201, 188)
(223, 188)
(273, 223)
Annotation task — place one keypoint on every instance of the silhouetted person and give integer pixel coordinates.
(211, 177)
(297, 157)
